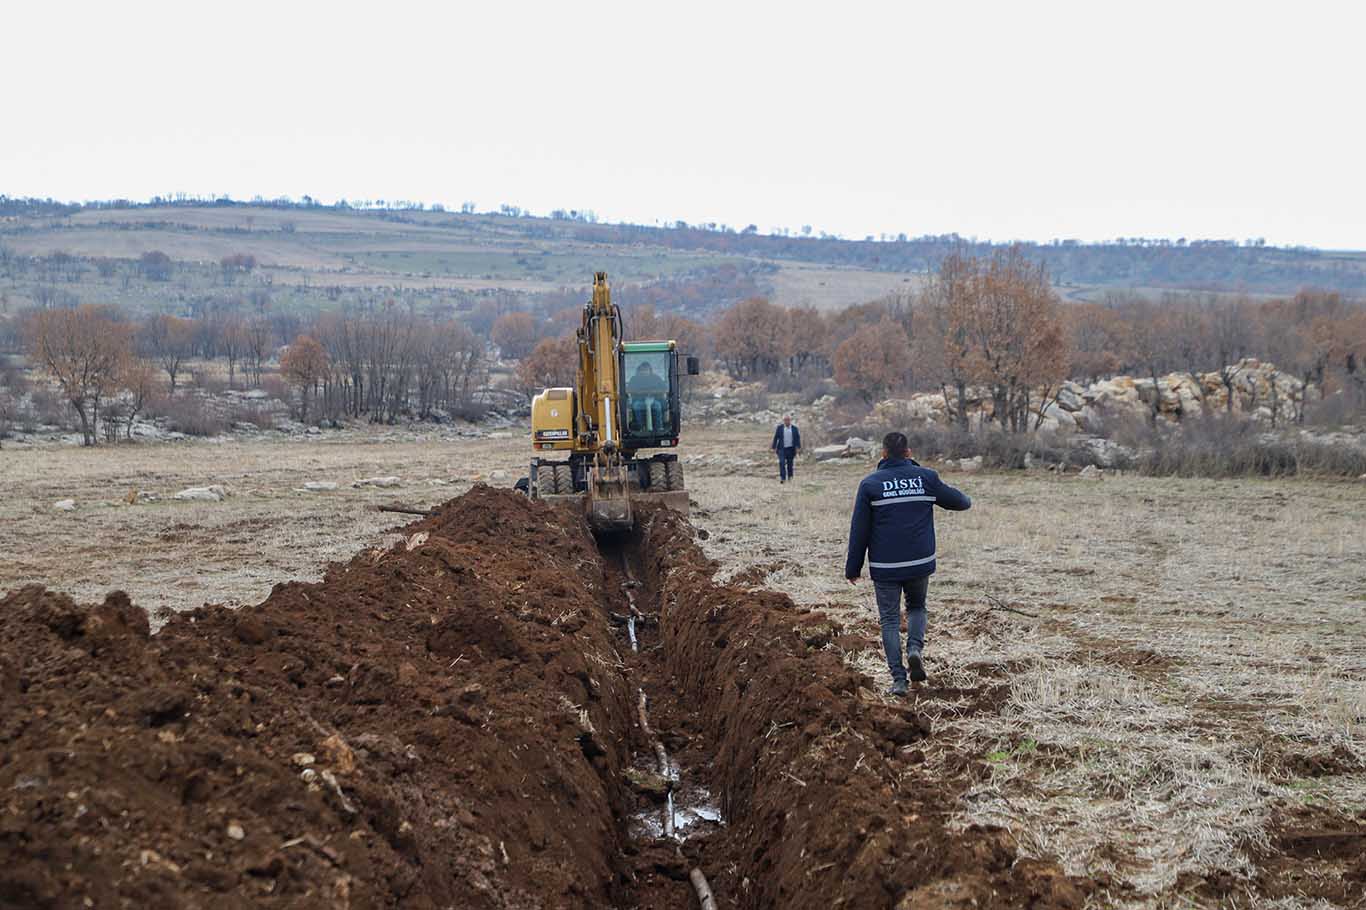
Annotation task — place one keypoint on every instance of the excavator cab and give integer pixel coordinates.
(626, 398)
(649, 402)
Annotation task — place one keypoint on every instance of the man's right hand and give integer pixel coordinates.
(852, 581)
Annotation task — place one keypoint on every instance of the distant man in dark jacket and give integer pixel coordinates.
(787, 442)
(893, 524)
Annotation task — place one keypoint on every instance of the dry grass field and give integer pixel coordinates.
(827, 288)
(1177, 667)
(300, 248)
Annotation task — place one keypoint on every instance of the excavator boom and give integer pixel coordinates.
(625, 399)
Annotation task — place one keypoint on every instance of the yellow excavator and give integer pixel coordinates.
(625, 399)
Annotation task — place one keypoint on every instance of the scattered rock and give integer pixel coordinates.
(303, 759)
(390, 481)
(213, 493)
(499, 475)
(1091, 472)
(65, 505)
(647, 782)
(1070, 397)
(235, 831)
(827, 453)
(319, 486)
(338, 754)
(1061, 416)
(1106, 453)
(970, 464)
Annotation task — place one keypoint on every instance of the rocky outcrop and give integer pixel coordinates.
(1260, 391)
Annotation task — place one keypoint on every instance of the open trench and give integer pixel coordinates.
(762, 771)
(674, 812)
(457, 721)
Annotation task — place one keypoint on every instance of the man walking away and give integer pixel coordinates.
(894, 524)
(787, 442)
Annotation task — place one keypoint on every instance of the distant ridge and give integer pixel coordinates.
(1180, 264)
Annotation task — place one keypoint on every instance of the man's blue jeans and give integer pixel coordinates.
(889, 615)
(786, 461)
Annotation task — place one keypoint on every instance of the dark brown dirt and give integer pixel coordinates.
(448, 723)
(441, 689)
(822, 782)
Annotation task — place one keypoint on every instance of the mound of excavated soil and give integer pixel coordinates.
(448, 723)
(405, 732)
(829, 799)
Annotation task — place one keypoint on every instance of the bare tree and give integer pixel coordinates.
(138, 382)
(949, 299)
(12, 388)
(808, 339)
(1003, 328)
(305, 365)
(552, 363)
(1231, 334)
(750, 337)
(515, 334)
(260, 344)
(232, 342)
(84, 351)
(873, 361)
(1191, 335)
(168, 340)
(1099, 343)
(1152, 334)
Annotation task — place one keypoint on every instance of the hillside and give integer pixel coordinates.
(322, 257)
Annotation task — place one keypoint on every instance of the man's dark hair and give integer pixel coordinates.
(896, 445)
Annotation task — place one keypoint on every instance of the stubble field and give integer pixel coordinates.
(1160, 684)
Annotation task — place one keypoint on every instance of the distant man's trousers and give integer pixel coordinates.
(786, 460)
(889, 615)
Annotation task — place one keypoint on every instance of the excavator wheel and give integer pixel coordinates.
(561, 479)
(659, 476)
(673, 473)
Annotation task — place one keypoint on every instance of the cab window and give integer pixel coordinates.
(647, 393)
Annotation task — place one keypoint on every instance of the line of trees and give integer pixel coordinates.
(980, 322)
(381, 364)
(994, 322)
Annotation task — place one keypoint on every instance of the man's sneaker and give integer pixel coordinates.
(898, 688)
(916, 666)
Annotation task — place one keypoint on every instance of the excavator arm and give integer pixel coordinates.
(589, 421)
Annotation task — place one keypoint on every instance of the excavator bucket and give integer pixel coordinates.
(609, 498)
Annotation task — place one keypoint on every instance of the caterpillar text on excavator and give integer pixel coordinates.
(625, 399)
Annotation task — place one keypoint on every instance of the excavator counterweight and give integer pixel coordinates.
(625, 399)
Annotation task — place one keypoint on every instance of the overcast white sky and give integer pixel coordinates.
(1001, 120)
